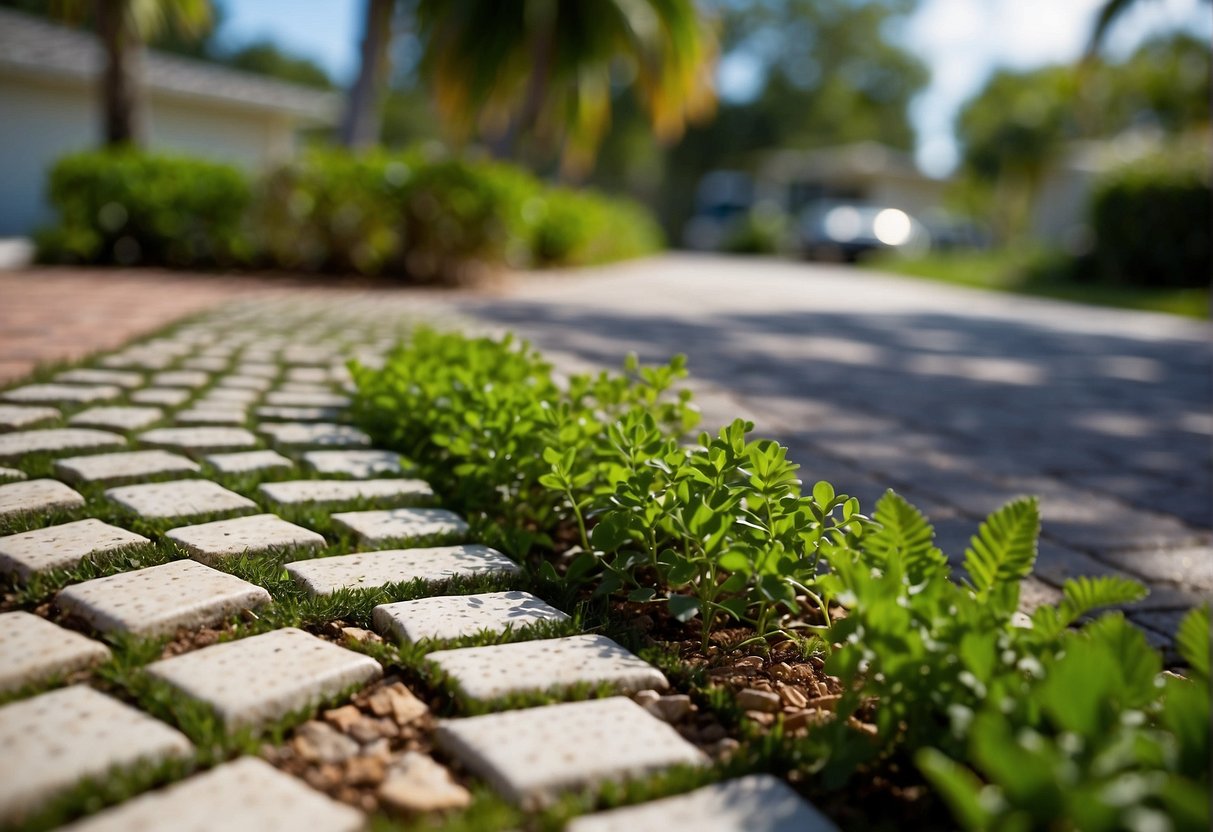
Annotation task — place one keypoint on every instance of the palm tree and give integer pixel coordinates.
(123, 26)
(549, 65)
(1109, 13)
(363, 111)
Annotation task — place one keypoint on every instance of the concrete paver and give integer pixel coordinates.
(62, 546)
(33, 650)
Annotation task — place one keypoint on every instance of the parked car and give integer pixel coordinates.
(846, 231)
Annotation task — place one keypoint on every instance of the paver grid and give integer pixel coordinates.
(287, 385)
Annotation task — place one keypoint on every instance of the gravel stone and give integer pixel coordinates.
(415, 783)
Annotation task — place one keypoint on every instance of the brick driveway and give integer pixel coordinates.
(959, 399)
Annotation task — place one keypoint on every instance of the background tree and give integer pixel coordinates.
(122, 28)
(825, 72)
(360, 126)
(549, 67)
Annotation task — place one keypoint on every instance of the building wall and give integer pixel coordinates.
(41, 121)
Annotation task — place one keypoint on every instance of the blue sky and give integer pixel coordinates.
(962, 41)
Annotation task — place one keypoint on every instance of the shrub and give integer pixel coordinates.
(331, 211)
(1152, 221)
(130, 208)
(575, 228)
(1063, 720)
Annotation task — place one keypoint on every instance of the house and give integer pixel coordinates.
(49, 107)
(865, 172)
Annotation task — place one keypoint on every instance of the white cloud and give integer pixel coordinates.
(963, 41)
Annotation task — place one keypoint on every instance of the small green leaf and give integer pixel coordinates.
(823, 493)
(1192, 639)
(646, 593)
(683, 607)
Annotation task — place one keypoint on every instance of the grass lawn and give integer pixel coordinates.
(1037, 273)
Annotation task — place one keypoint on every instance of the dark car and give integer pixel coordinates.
(846, 231)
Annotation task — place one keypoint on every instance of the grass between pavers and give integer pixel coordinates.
(1031, 272)
(124, 677)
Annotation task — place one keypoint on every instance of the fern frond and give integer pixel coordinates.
(1004, 548)
(1192, 639)
(904, 537)
(1082, 595)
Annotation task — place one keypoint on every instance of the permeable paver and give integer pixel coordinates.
(199, 440)
(117, 418)
(314, 435)
(167, 396)
(292, 398)
(57, 440)
(243, 535)
(402, 525)
(756, 803)
(331, 492)
(181, 378)
(11, 474)
(358, 464)
(36, 496)
(33, 650)
(547, 664)
(16, 416)
(456, 616)
(299, 414)
(179, 498)
(229, 396)
(210, 416)
(366, 570)
(210, 363)
(62, 546)
(59, 738)
(263, 678)
(238, 382)
(160, 599)
(124, 466)
(246, 795)
(534, 754)
(54, 393)
(85, 375)
(245, 461)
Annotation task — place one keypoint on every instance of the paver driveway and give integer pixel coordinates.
(960, 399)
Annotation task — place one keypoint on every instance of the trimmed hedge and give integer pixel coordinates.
(128, 208)
(1152, 221)
(409, 214)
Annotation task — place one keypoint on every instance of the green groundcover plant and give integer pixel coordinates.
(1060, 720)
(412, 214)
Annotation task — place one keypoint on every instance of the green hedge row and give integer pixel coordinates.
(1152, 221)
(408, 214)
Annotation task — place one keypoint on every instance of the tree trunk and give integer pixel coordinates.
(360, 126)
(121, 80)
